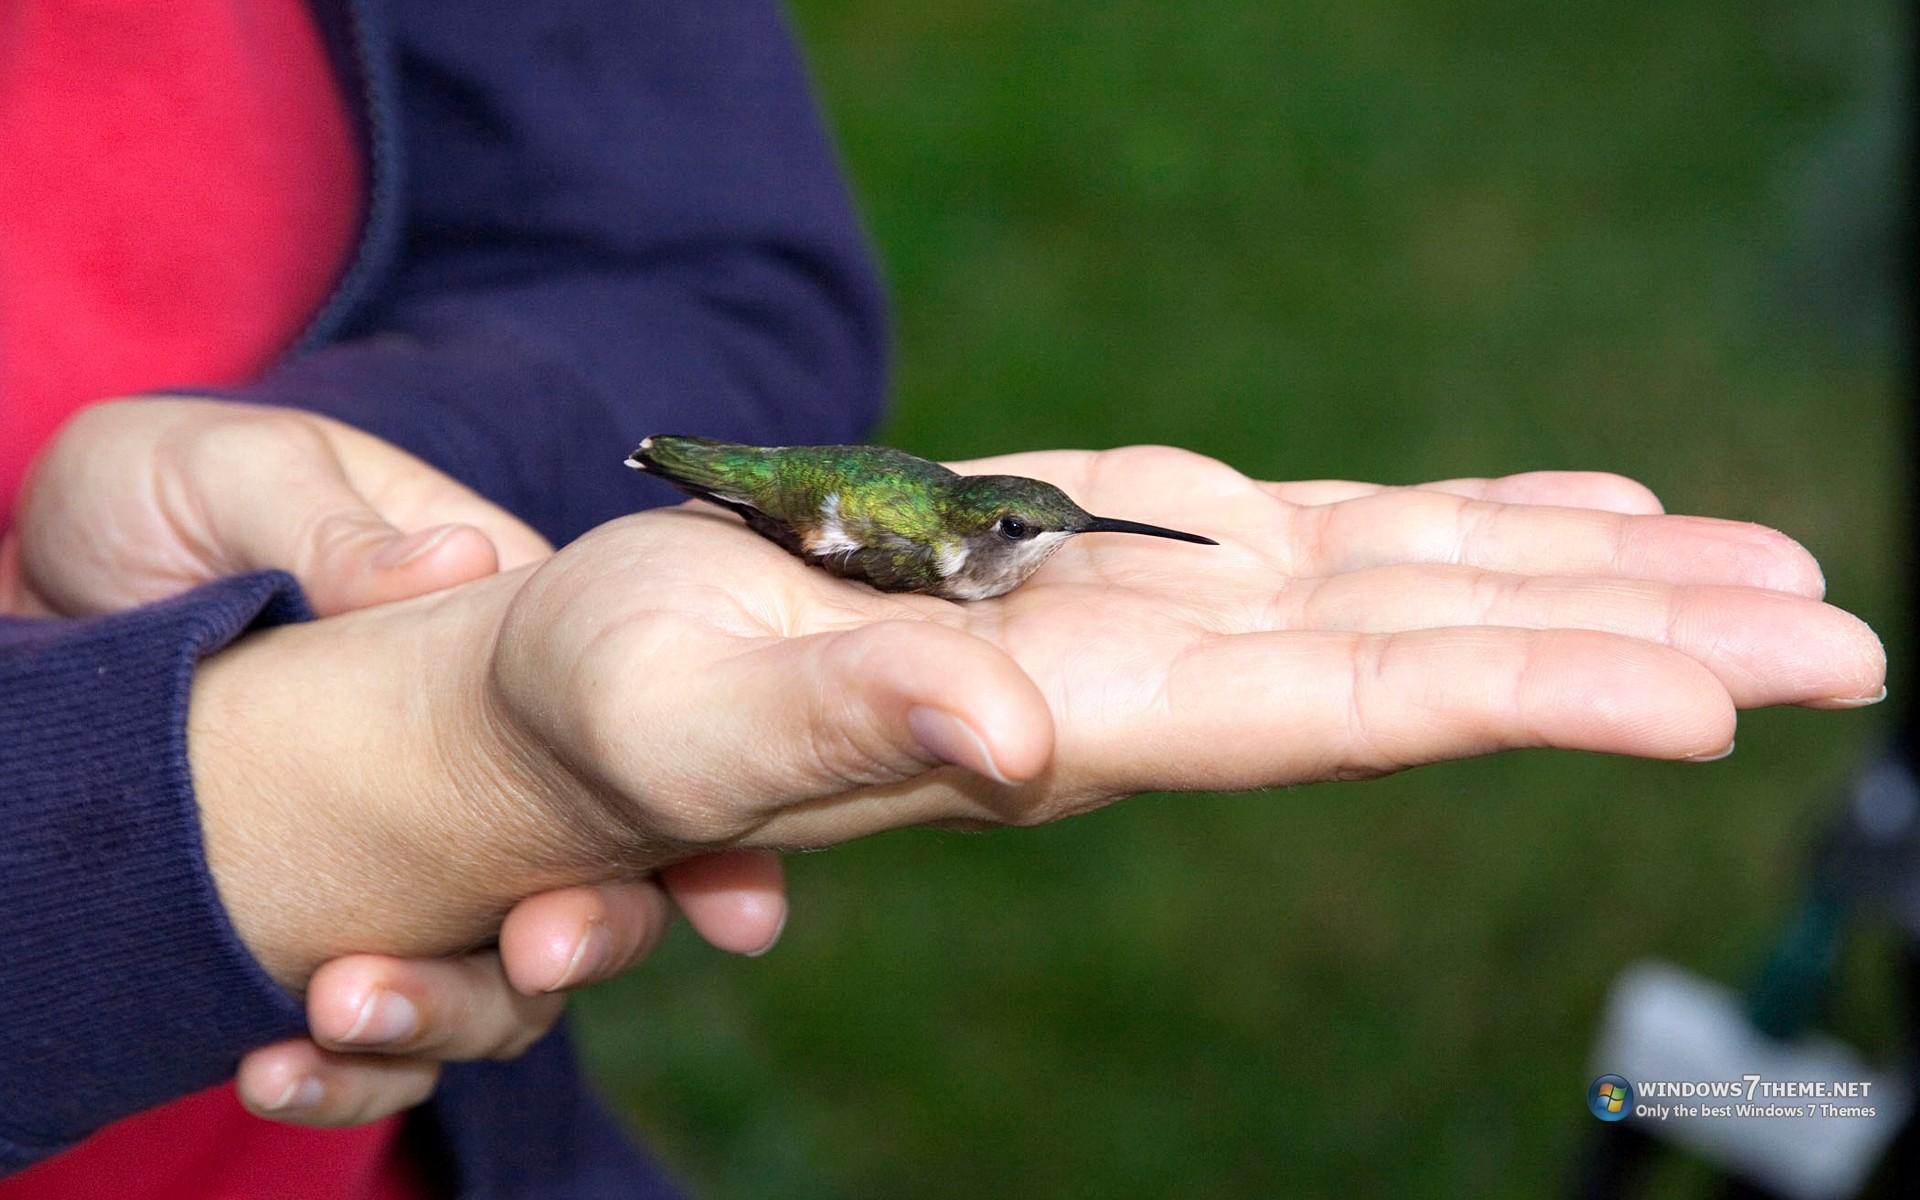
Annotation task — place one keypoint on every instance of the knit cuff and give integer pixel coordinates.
(122, 982)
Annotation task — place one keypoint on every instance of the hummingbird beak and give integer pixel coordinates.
(1111, 525)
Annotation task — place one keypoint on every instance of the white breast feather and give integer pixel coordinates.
(952, 559)
(832, 536)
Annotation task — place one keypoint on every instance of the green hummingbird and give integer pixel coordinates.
(884, 517)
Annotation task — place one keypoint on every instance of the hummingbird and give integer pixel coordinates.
(884, 517)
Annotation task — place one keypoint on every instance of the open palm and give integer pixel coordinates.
(1339, 630)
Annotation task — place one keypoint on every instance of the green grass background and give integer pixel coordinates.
(1378, 240)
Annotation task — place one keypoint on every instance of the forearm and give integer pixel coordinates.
(207, 798)
(354, 796)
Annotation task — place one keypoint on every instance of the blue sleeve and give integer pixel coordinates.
(122, 983)
(619, 219)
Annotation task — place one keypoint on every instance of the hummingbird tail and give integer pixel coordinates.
(688, 461)
(725, 473)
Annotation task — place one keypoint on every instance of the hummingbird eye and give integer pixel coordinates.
(1013, 528)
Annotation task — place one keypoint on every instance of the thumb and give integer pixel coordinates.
(834, 717)
(380, 563)
(345, 554)
(18, 598)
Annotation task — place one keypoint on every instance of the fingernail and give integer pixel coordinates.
(591, 954)
(1858, 701)
(415, 545)
(775, 939)
(952, 740)
(385, 1017)
(303, 1092)
(1707, 758)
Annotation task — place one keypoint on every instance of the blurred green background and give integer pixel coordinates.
(1379, 240)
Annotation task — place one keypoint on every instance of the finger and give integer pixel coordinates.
(1565, 489)
(812, 717)
(302, 514)
(1764, 647)
(580, 935)
(18, 598)
(298, 1083)
(1413, 526)
(414, 495)
(449, 1008)
(355, 559)
(1287, 708)
(736, 900)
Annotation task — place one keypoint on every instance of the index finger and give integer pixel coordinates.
(1389, 528)
(411, 494)
(1565, 489)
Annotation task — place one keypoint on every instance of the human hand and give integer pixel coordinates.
(493, 1004)
(672, 683)
(1341, 630)
(137, 500)
(141, 499)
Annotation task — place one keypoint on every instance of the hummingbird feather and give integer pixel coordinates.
(897, 522)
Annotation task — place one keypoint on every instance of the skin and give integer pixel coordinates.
(582, 720)
(138, 500)
(586, 716)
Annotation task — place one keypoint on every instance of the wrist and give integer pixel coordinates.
(354, 794)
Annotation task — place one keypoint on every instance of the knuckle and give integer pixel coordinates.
(844, 748)
(331, 531)
(1197, 471)
(1629, 492)
(1154, 455)
(521, 1038)
(90, 422)
(675, 809)
(246, 439)
(1477, 523)
(1035, 805)
(689, 821)
(366, 1105)
(1364, 756)
(1782, 563)
(1780, 545)
(388, 1096)
(1029, 812)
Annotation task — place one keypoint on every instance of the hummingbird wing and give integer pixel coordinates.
(885, 532)
(862, 512)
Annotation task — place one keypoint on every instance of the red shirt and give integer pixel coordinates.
(182, 189)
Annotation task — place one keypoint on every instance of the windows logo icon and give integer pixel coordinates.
(1610, 1098)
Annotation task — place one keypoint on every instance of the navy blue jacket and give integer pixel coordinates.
(588, 220)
